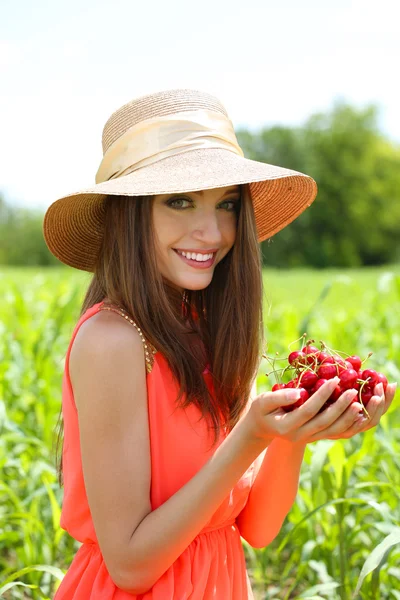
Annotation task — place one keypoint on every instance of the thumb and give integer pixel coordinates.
(282, 397)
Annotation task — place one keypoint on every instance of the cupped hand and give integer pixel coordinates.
(377, 406)
(267, 420)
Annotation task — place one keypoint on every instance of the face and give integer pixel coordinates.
(203, 222)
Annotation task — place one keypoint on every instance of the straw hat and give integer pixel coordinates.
(172, 141)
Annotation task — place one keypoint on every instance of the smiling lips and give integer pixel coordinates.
(196, 263)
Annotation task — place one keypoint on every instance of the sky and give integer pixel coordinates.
(67, 65)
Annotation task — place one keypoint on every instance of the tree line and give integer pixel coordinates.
(354, 221)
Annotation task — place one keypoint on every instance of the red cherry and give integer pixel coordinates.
(290, 384)
(319, 384)
(347, 379)
(297, 359)
(366, 396)
(311, 353)
(310, 350)
(343, 366)
(371, 376)
(355, 361)
(308, 379)
(278, 386)
(337, 392)
(324, 357)
(304, 395)
(380, 378)
(340, 362)
(327, 371)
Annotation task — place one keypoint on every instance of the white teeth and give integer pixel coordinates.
(194, 256)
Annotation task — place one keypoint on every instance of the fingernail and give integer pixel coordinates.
(361, 419)
(335, 380)
(293, 394)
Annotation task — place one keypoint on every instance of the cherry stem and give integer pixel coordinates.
(300, 338)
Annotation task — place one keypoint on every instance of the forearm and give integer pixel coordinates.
(166, 532)
(272, 494)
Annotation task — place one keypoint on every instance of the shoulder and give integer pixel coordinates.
(106, 329)
(105, 340)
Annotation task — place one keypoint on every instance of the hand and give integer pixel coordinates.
(267, 420)
(377, 406)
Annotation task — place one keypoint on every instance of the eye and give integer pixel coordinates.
(235, 204)
(172, 203)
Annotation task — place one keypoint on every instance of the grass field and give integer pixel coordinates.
(340, 541)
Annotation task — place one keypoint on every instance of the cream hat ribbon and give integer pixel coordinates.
(153, 139)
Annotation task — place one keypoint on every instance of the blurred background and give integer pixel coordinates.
(310, 86)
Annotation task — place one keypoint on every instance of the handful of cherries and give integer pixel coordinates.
(313, 367)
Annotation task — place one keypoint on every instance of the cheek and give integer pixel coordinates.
(167, 228)
(228, 229)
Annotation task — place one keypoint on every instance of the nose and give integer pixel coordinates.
(208, 230)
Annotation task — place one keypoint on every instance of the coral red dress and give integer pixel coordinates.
(213, 566)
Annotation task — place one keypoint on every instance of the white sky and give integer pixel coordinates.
(66, 65)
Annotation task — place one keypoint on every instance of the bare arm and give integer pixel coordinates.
(109, 381)
(273, 493)
(268, 503)
(167, 531)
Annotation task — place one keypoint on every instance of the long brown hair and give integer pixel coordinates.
(230, 317)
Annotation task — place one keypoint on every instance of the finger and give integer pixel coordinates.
(344, 423)
(389, 395)
(308, 410)
(273, 400)
(363, 424)
(376, 407)
(360, 424)
(333, 420)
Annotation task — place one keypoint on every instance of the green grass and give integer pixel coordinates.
(342, 534)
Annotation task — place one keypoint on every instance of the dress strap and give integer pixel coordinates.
(149, 349)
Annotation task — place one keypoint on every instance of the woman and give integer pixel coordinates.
(165, 457)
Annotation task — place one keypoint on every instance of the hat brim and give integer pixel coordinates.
(73, 224)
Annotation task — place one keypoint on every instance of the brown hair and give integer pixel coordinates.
(230, 318)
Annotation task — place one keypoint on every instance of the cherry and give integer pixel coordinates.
(308, 379)
(291, 384)
(278, 386)
(319, 383)
(337, 392)
(310, 350)
(323, 357)
(313, 368)
(338, 359)
(327, 371)
(311, 353)
(355, 361)
(348, 378)
(366, 396)
(371, 377)
(380, 378)
(304, 395)
(297, 359)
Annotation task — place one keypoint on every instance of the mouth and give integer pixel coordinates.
(197, 264)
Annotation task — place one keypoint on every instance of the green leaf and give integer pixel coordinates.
(375, 558)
